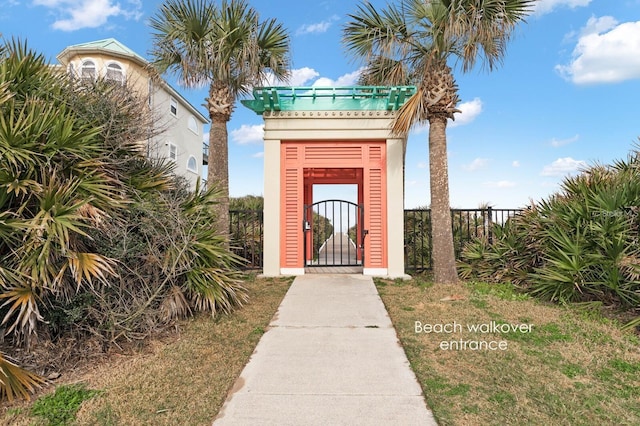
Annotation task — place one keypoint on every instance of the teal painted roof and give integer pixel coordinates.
(109, 44)
(353, 98)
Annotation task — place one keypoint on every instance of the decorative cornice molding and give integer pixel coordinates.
(329, 114)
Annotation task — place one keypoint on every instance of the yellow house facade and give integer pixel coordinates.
(181, 140)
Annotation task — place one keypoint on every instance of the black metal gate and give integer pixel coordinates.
(333, 233)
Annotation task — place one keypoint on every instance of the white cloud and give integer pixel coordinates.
(606, 52)
(515, 163)
(247, 134)
(298, 77)
(561, 142)
(501, 184)
(563, 166)
(258, 155)
(318, 27)
(89, 13)
(308, 77)
(598, 25)
(349, 79)
(422, 165)
(470, 110)
(476, 164)
(542, 7)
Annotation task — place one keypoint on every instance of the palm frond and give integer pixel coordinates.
(174, 305)
(22, 304)
(16, 381)
(85, 267)
(412, 112)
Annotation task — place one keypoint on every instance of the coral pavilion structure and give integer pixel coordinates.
(332, 135)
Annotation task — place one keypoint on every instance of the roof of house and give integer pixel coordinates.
(113, 47)
(110, 45)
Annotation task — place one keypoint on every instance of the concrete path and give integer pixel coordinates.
(329, 357)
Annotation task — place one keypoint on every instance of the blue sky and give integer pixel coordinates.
(567, 94)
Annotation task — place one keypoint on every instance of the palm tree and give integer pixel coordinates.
(412, 42)
(227, 47)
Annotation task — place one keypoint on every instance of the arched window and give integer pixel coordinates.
(115, 72)
(193, 125)
(88, 70)
(192, 164)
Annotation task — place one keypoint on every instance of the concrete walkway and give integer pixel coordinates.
(329, 357)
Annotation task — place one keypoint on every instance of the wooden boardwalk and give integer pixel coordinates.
(337, 255)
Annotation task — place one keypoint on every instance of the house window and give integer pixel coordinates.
(193, 125)
(192, 164)
(173, 107)
(173, 152)
(115, 72)
(88, 70)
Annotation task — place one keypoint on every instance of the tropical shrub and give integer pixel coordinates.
(169, 263)
(581, 244)
(55, 185)
(95, 238)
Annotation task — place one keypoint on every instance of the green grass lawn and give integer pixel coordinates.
(543, 364)
(181, 379)
(556, 365)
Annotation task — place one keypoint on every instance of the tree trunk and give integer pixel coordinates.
(218, 170)
(220, 104)
(444, 261)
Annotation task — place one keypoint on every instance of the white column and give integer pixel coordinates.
(395, 208)
(271, 228)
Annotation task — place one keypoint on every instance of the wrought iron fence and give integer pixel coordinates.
(246, 235)
(467, 224)
(246, 230)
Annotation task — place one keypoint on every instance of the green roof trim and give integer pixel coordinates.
(352, 98)
(109, 44)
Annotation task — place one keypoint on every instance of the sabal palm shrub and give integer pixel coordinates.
(171, 263)
(514, 251)
(581, 244)
(54, 186)
(95, 238)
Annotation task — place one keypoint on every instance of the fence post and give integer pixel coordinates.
(490, 224)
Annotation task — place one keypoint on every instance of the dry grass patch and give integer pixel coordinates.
(572, 367)
(183, 378)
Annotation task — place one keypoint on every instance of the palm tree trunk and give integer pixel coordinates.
(444, 262)
(220, 104)
(218, 171)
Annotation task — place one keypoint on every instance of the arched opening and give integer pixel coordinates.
(88, 70)
(115, 73)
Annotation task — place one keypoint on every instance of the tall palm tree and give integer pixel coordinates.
(412, 42)
(227, 47)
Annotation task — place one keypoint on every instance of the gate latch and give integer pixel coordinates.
(306, 226)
